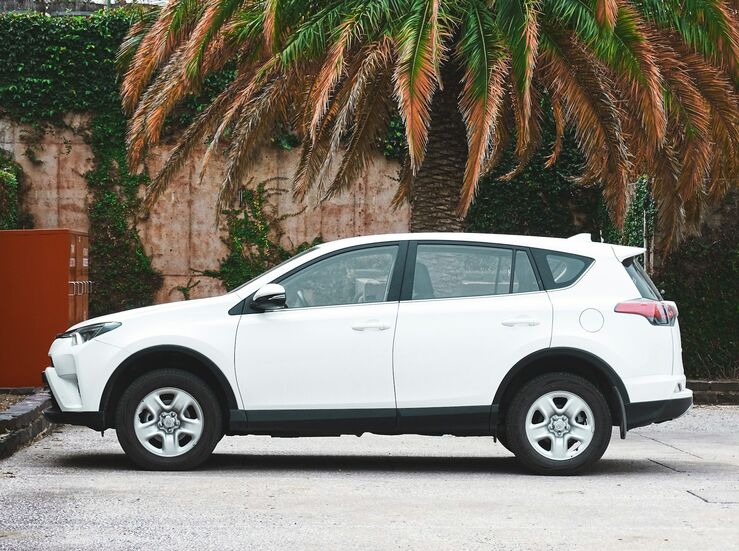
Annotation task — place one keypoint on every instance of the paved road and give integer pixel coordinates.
(672, 486)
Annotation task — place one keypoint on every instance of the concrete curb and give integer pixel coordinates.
(715, 392)
(22, 422)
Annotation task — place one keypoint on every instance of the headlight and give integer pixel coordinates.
(88, 332)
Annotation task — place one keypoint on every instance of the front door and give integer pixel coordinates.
(323, 365)
(469, 313)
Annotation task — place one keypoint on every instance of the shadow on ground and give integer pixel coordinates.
(221, 462)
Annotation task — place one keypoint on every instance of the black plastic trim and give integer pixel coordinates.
(600, 364)
(92, 419)
(207, 362)
(640, 414)
(460, 421)
(622, 408)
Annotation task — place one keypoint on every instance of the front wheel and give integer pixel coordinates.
(558, 423)
(168, 420)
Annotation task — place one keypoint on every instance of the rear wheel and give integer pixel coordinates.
(558, 423)
(168, 420)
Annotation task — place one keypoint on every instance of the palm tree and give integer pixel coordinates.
(647, 87)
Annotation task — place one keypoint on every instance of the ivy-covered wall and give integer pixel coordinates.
(51, 66)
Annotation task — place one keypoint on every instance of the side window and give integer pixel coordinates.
(524, 279)
(450, 271)
(560, 269)
(353, 277)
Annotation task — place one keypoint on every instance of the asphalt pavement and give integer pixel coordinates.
(670, 486)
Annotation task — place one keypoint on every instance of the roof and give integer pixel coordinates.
(578, 244)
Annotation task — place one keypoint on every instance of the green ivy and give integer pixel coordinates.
(123, 275)
(394, 145)
(701, 277)
(52, 66)
(252, 240)
(9, 193)
(539, 200)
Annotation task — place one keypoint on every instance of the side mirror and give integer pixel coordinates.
(269, 297)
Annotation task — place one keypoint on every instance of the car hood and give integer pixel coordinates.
(185, 307)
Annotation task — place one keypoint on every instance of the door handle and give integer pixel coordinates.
(370, 325)
(531, 322)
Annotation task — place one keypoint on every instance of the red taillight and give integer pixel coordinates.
(656, 312)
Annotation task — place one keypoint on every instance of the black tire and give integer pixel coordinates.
(212, 420)
(524, 399)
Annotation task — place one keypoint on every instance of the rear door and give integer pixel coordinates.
(468, 313)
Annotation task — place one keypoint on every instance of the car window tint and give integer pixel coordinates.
(450, 271)
(560, 269)
(524, 279)
(353, 277)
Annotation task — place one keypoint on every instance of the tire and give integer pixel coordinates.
(570, 424)
(168, 420)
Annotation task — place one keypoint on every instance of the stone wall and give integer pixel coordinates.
(181, 232)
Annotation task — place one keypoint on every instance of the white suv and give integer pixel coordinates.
(542, 343)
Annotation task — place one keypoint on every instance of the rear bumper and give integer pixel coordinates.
(640, 414)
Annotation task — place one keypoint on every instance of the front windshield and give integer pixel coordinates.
(273, 268)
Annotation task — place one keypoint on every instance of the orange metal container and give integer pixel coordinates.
(45, 288)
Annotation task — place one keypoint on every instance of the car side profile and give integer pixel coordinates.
(543, 343)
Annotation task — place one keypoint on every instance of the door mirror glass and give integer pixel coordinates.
(269, 297)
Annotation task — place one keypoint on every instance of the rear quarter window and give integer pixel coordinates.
(558, 269)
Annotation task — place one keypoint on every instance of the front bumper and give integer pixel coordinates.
(92, 419)
(640, 414)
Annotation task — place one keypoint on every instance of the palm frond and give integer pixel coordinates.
(162, 39)
(192, 138)
(574, 78)
(415, 76)
(486, 66)
(372, 115)
(519, 21)
(254, 128)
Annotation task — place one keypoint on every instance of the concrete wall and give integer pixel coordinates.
(181, 233)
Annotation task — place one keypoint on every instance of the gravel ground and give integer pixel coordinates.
(673, 486)
(7, 400)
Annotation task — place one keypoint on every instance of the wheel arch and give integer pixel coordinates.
(570, 360)
(150, 358)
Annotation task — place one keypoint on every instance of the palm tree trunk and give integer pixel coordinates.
(436, 190)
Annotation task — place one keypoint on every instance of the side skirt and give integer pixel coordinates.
(459, 421)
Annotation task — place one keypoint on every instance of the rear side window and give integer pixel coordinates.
(641, 280)
(559, 269)
(455, 271)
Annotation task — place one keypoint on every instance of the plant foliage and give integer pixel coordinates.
(252, 237)
(646, 87)
(12, 215)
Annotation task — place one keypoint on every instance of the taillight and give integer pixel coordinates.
(657, 312)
